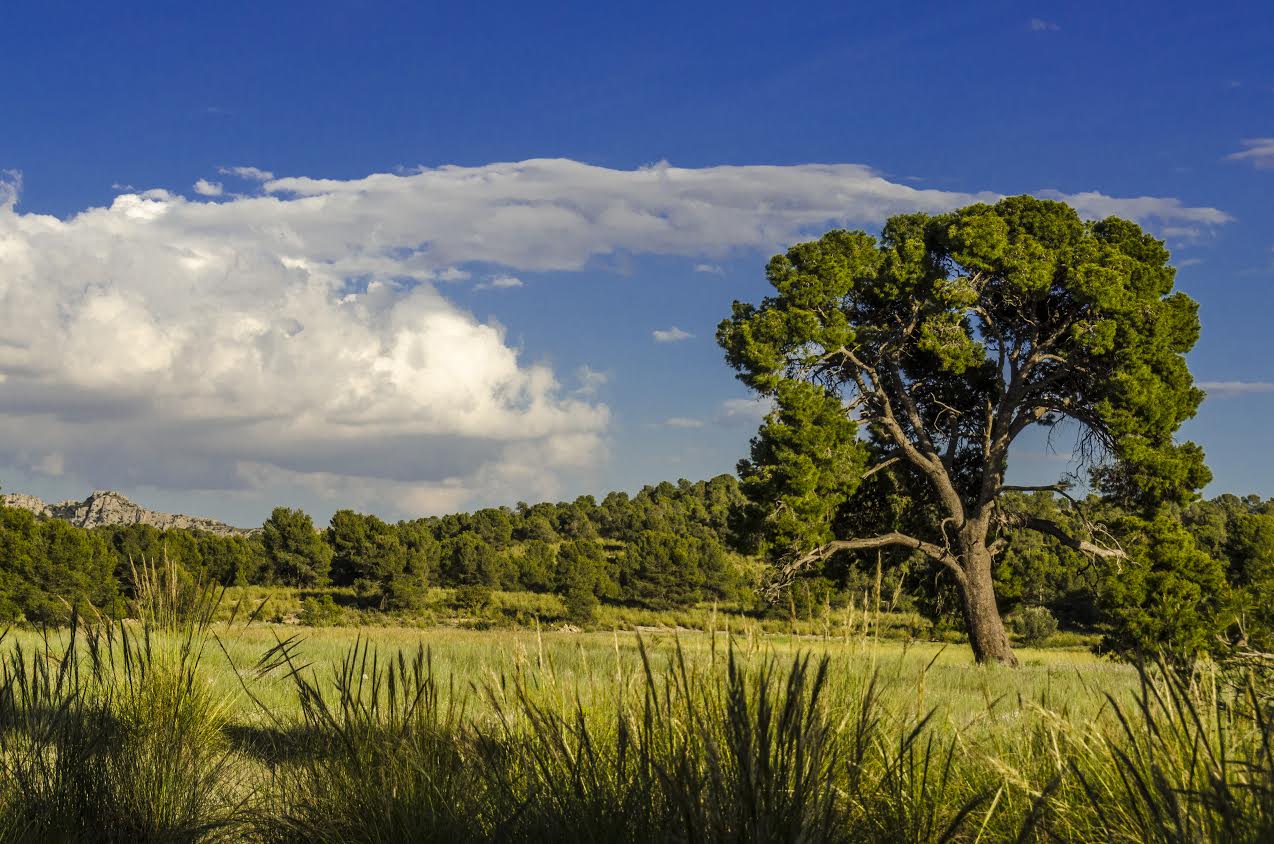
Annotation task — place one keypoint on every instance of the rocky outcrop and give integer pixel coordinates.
(108, 508)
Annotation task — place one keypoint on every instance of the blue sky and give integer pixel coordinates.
(446, 290)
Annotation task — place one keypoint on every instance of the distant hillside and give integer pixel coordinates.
(107, 508)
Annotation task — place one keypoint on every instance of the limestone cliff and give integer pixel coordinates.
(107, 507)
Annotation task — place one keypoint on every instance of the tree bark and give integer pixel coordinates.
(987, 636)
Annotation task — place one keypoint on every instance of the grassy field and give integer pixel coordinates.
(189, 731)
(283, 714)
(594, 665)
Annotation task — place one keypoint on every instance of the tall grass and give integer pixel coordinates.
(1193, 761)
(117, 732)
(112, 733)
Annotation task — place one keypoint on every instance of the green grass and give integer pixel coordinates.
(185, 730)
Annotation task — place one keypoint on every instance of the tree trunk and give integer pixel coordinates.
(987, 636)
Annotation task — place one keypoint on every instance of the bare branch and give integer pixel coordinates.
(789, 571)
(1058, 488)
(1054, 530)
(882, 465)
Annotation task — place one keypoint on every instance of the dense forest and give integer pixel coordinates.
(670, 545)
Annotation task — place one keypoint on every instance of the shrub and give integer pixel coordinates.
(405, 592)
(1034, 625)
(474, 597)
(320, 612)
(581, 604)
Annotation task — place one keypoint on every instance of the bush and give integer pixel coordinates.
(320, 612)
(405, 592)
(474, 597)
(581, 604)
(1034, 625)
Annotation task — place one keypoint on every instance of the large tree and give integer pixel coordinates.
(946, 339)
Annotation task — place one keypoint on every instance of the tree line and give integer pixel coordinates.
(670, 545)
(667, 546)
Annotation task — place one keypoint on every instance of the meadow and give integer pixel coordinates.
(182, 727)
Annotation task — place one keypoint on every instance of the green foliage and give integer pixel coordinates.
(582, 576)
(951, 335)
(467, 560)
(580, 602)
(664, 570)
(320, 612)
(112, 737)
(363, 547)
(1168, 595)
(1239, 534)
(404, 592)
(535, 564)
(474, 597)
(295, 551)
(493, 526)
(1034, 625)
(49, 568)
(806, 463)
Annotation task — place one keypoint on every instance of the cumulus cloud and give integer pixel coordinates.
(1230, 389)
(1042, 25)
(711, 269)
(1259, 151)
(670, 335)
(199, 345)
(295, 336)
(203, 187)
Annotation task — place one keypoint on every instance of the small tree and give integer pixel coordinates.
(946, 339)
(296, 551)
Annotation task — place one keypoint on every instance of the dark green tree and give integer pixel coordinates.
(294, 550)
(535, 565)
(364, 548)
(662, 570)
(424, 553)
(493, 526)
(946, 339)
(469, 561)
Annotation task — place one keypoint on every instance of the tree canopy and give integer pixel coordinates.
(942, 341)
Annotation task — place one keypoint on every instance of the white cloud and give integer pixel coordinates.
(1147, 210)
(711, 269)
(252, 174)
(590, 380)
(748, 412)
(670, 335)
(1259, 151)
(10, 188)
(1230, 389)
(682, 422)
(203, 187)
(198, 345)
(296, 337)
(1042, 25)
(500, 282)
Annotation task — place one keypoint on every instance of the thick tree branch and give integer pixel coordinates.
(924, 456)
(936, 553)
(1055, 530)
(1059, 487)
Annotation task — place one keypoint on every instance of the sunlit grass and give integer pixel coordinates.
(179, 729)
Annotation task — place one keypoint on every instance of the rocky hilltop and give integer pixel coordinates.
(107, 507)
